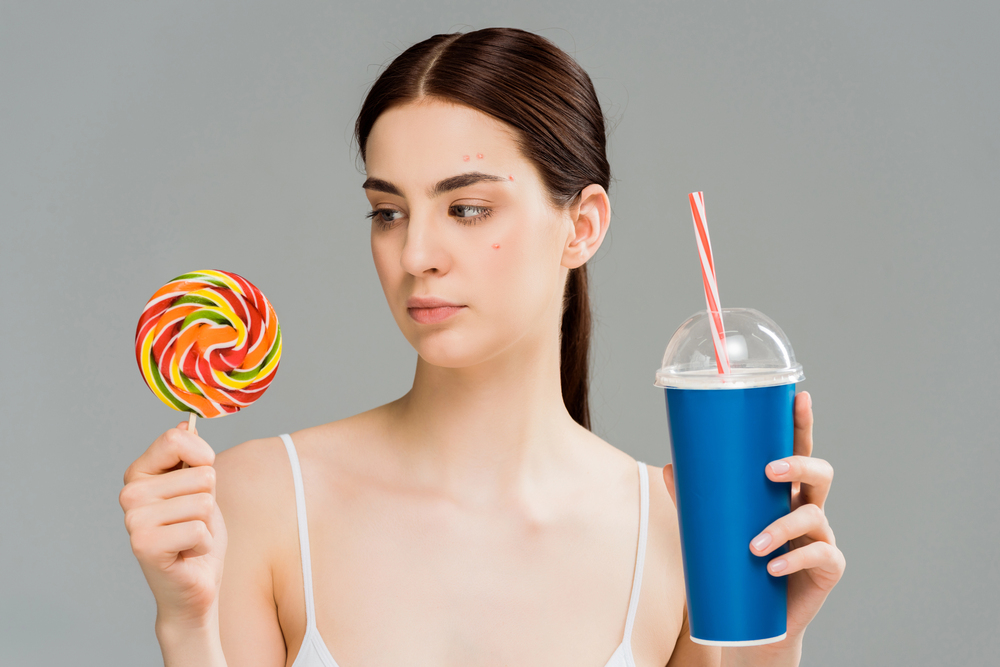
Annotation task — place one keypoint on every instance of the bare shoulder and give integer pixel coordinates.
(660, 615)
(250, 477)
(255, 491)
(664, 532)
(664, 627)
(255, 476)
(247, 484)
(249, 463)
(254, 480)
(253, 486)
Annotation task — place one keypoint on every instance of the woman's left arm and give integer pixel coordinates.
(813, 563)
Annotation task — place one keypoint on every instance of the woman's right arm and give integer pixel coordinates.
(174, 516)
(179, 537)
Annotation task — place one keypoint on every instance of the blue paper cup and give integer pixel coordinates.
(724, 430)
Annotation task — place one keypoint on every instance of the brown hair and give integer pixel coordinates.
(530, 84)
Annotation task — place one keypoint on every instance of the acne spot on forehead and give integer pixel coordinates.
(465, 157)
(496, 246)
(511, 177)
(479, 155)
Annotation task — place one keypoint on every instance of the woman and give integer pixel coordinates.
(475, 520)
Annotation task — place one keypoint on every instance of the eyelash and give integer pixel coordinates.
(376, 215)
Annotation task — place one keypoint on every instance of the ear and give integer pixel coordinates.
(590, 216)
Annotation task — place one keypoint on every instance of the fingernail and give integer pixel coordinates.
(809, 399)
(761, 541)
(778, 565)
(779, 467)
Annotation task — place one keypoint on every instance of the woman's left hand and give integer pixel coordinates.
(813, 563)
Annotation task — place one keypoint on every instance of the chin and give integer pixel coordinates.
(447, 349)
(448, 356)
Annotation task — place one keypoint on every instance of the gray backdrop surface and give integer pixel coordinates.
(850, 156)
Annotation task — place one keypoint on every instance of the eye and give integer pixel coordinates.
(378, 217)
(464, 213)
(481, 212)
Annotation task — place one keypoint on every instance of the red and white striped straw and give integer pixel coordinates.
(708, 277)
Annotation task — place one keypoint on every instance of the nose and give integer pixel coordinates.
(424, 248)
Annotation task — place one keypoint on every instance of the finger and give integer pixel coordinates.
(162, 545)
(803, 416)
(194, 507)
(168, 452)
(825, 562)
(806, 521)
(815, 476)
(153, 488)
(668, 479)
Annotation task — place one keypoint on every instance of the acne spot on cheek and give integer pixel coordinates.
(479, 155)
(465, 157)
(496, 246)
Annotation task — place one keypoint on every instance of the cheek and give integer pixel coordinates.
(386, 260)
(499, 254)
(514, 267)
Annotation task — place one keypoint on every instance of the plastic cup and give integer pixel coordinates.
(724, 430)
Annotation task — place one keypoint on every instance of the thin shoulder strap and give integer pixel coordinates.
(640, 556)
(300, 510)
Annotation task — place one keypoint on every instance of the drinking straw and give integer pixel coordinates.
(708, 278)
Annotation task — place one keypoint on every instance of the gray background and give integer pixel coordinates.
(850, 156)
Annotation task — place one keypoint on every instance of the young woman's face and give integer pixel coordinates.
(460, 217)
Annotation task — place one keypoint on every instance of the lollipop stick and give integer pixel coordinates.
(191, 429)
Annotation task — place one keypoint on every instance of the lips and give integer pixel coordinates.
(430, 309)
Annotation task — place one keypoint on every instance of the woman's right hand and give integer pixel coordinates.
(176, 528)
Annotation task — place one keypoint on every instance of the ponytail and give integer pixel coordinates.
(574, 347)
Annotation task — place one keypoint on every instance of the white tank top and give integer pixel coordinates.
(314, 653)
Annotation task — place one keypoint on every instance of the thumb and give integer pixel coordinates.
(668, 479)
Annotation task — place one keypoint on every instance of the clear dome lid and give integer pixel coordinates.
(759, 353)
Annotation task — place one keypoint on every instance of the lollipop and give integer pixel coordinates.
(208, 343)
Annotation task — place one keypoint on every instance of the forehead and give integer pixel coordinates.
(427, 137)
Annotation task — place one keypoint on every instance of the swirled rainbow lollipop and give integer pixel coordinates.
(208, 343)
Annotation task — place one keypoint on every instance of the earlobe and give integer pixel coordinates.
(590, 217)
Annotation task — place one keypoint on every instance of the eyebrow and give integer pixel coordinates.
(446, 185)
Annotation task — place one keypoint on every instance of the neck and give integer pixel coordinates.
(483, 434)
